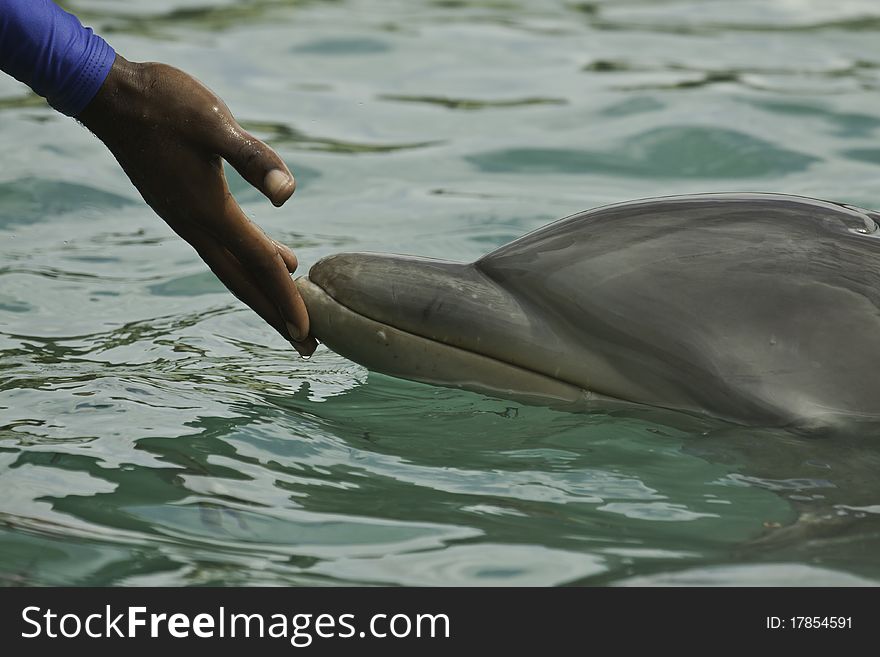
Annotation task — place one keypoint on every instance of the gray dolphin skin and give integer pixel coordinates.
(760, 309)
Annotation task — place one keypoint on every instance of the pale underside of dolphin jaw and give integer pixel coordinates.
(384, 348)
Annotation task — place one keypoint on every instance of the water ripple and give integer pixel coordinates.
(486, 564)
(669, 152)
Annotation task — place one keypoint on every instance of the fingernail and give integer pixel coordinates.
(276, 184)
(294, 332)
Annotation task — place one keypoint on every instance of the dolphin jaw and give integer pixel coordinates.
(396, 352)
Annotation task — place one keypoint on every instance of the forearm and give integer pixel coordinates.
(50, 51)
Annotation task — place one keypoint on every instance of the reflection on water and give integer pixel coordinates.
(154, 432)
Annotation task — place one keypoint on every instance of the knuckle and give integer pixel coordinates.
(250, 152)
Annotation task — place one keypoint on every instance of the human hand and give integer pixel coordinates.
(169, 133)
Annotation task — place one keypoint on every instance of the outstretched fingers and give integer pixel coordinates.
(267, 263)
(261, 259)
(250, 287)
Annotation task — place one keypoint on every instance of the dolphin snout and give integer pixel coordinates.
(449, 302)
(398, 290)
(428, 320)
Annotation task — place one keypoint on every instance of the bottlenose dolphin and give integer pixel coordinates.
(760, 309)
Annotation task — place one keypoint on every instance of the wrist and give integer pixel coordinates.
(116, 99)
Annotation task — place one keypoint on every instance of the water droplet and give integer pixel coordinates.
(305, 356)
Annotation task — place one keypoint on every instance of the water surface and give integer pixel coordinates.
(154, 432)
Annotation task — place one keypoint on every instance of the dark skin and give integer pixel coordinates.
(170, 134)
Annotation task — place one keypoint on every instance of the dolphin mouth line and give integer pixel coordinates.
(390, 350)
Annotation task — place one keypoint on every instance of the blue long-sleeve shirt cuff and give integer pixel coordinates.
(50, 51)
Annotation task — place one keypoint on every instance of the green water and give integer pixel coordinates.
(154, 432)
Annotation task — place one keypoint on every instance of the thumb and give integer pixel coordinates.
(257, 163)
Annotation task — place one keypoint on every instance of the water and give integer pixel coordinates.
(154, 431)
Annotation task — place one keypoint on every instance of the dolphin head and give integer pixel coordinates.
(435, 321)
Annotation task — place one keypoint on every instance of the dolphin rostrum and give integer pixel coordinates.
(761, 309)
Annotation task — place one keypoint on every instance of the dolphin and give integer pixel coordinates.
(757, 309)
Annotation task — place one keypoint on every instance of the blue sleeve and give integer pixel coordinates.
(51, 52)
